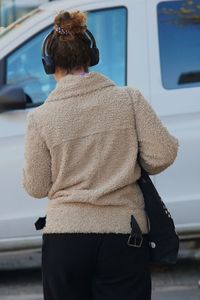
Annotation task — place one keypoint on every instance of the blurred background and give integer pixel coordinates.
(11, 10)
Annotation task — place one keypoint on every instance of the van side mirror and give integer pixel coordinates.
(12, 97)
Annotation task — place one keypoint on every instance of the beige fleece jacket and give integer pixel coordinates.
(81, 150)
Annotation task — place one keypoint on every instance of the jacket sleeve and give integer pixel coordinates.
(156, 146)
(36, 172)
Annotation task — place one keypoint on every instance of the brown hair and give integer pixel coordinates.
(68, 45)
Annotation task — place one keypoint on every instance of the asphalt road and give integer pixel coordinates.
(179, 283)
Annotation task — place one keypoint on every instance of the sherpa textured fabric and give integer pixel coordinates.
(81, 150)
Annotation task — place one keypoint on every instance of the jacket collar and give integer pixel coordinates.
(76, 85)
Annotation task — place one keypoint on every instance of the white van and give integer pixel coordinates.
(144, 44)
(12, 10)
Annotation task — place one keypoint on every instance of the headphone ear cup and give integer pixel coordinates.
(94, 56)
(48, 64)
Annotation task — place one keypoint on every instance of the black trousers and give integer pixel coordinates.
(94, 266)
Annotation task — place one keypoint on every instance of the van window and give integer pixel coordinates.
(178, 27)
(24, 67)
(109, 29)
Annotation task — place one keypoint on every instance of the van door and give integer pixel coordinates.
(23, 69)
(174, 54)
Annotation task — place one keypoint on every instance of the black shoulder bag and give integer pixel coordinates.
(163, 239)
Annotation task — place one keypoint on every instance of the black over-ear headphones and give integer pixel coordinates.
(47, 59)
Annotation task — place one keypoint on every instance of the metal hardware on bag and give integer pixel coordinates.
(137, 240)
(152, 245)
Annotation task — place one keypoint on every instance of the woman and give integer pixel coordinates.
(81, 151)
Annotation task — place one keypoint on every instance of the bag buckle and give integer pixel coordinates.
(135, 240)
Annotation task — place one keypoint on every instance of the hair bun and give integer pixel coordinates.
(73, 23)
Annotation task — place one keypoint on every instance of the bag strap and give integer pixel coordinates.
(135, 239)
(40, 223)
(133, 221)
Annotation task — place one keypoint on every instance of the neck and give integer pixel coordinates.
(60, 73)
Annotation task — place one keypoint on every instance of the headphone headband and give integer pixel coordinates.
(91, 37)
(47, 59)
(45, 43)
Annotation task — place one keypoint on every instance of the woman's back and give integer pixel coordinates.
(90, 128)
